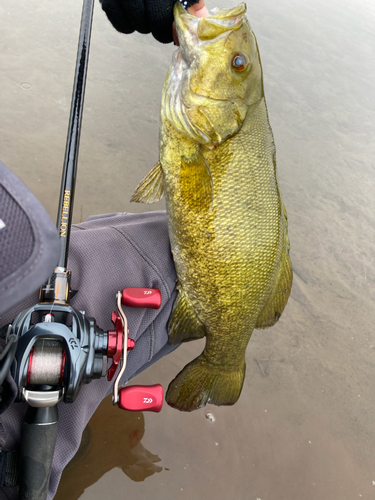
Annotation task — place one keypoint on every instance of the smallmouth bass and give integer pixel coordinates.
(226, 219)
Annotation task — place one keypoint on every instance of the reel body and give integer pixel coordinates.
(53, 354)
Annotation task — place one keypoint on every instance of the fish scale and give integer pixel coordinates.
(226, 219)
(230, 270)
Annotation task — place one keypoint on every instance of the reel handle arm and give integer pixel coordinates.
(135, 397)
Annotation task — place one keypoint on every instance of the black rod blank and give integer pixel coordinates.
(38, 440)
(65, 211)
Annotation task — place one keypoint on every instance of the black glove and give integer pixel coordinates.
(144, 16)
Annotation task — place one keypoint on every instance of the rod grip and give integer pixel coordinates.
(39, 433)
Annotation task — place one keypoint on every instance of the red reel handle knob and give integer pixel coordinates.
(141, 398)
(141, 297)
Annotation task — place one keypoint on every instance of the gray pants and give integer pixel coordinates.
(107, 253)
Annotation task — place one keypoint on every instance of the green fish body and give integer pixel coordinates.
(226, 219)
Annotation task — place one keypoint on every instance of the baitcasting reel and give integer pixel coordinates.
(59, 349)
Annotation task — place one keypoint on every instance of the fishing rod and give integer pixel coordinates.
(58, 348)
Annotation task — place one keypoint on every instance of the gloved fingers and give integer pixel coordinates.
(118, 15)
(160, 15)
(144, 16)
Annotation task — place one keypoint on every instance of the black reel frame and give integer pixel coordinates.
(85, 353)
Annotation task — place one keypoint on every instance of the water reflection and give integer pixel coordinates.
(111, 439)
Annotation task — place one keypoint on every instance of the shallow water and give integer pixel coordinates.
(303, 427)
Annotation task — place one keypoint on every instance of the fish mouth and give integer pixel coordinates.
(192, 31)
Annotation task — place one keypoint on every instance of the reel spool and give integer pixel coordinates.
(46, 363)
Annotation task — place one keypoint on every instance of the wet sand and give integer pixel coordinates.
(304, 425)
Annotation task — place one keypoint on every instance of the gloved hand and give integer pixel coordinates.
(144, 16)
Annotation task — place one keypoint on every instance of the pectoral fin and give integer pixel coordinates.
(196, 182)
(151, 188)
(184, 324)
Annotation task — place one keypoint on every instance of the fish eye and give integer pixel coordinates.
(239, 62)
